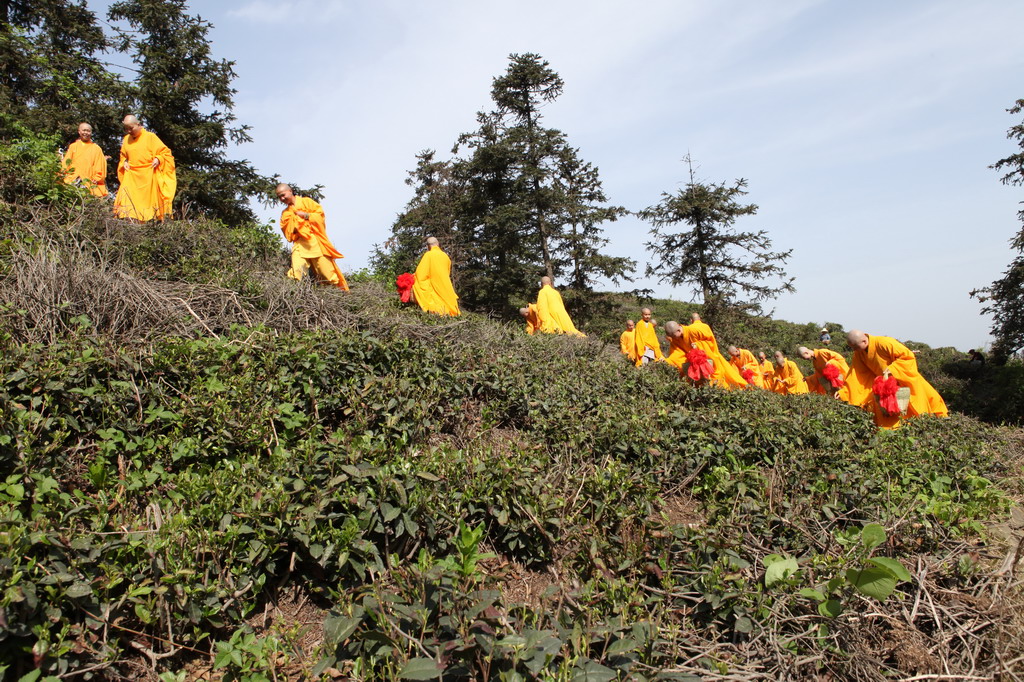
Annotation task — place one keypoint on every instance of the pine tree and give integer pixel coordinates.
(708, 253)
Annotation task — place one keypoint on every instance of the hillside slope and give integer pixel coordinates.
(206, 470)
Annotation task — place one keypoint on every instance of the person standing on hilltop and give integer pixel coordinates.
(645, 338)
(433, 288)
(881, 358)
(85, 163)
(554, 319)
(627, 344)
(304, 225)
(146, 173)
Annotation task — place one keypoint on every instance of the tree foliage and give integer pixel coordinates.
(1004, 298)
(515, 202)
(706, 252)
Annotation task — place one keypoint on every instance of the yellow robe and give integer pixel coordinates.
(886, 352)
(817, 381)
(627, 344)
(551, 310)
(146, 192)
(644, 337)
(676, 351)
(433, 286)
(532, 321)
(789, 380)
(85, 161)
(768, 373)
(725, 375)
(310, 245)
(746, 360)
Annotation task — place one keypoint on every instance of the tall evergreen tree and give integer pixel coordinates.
(1004, 298)
(516, 201)
(178, 81)
(724, 266)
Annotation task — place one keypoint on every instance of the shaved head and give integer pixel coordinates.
(132, 126)
(734, 351)
(285, 194)
(857, 339)
(672, 328)
(84, 132)
(545, 281)
(629, 325)
(524, 311)
(432, 241)
(780, 357)
(645, 314)
(695, 317)
(805, 352)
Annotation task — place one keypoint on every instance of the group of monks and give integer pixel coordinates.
(882, 379)
(145, 171)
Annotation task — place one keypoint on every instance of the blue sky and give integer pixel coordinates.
(865, 130)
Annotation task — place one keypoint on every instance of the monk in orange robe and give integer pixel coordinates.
(85, 163)
(645, 339)
(433, 286)
(747, 365)
(627, 344)
(146, 173)
(875, 356)
(304, 225)
(767, 370)
(789, 380)
(698, 334)
(821, 358)
(532, 320)
(676, 348)
(554, 319)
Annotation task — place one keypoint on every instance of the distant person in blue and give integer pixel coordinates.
(825, 337)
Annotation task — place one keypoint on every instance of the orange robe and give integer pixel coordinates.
(746, 360)
(145, 192)
(789, 380)
(310, 245)
(85, 161)
(433, 286)
(644, 337)
(823, 356)
(532, 321)
(554, 319)
(768, 373)
(677, 351)
(725, 375)
(627, 344)
(883, 353)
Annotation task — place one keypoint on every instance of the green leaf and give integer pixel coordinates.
(811, 593)
(831, 608)
(338, 628)
(621, 646)
(79, 589)
(592, 671)
(427, 476)
(873, 582)
(744, 624)
(872, 536)
(891, 565)
(420, 669)
(779, 570)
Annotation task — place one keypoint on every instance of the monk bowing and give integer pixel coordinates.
(676, 348)
(645, 339)
(883, 357)
(433, 286)
(698, 334)
(304, 225)
(554, 319)
(85, 163)
(830, 370)
(532, 320)
(789, 380)
(747, 365)
(146, 174)
(627, 345)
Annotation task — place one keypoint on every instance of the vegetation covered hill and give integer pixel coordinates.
(208, 471)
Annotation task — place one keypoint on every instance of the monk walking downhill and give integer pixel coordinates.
(433, 288)
(146, 173)
(85, 163)
(554, 319)
(304, 225)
